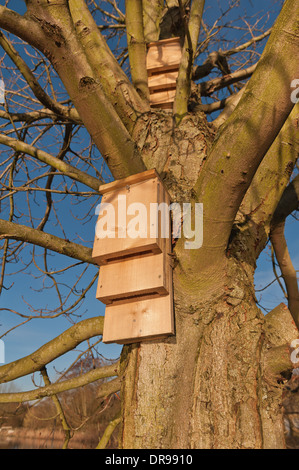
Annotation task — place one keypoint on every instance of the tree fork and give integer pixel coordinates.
(65, 52)
(128, 103)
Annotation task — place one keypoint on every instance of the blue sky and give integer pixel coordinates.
(27, 338)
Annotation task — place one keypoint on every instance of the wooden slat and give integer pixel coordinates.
(165, 53)
(114, 249)
(127, 279)
(164, 41)
(133, 179)
(139, 321)
(165, 80)
(163, 105)
(163, 69)
(162, 97)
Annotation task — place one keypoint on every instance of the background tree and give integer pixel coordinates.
(11, 414)
(82, 416)
(76, 115)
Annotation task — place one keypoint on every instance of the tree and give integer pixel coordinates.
(81, 414)
(218, 382)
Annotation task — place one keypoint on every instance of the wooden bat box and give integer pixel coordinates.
(163, 61)
(135, 277)
(125, 227)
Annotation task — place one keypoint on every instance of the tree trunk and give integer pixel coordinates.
(209, 386)
(213, 384)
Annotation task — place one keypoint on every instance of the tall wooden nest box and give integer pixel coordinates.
(163, 62)
(132, 245)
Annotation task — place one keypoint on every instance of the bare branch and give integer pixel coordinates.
(69, 384)
(54, 162)
(287, 204)
(240, 148)
(45, 240)
(39, 93)
(229, 105)
(65, 426)
(185, 71)
(136, 46)
(108, 431)
(55, 348)
(215, 57)
(22, 26)
(207, 88)
(114, 81)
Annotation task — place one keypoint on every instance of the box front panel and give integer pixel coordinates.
(162, 55)
(138, 321)
(127, 279)
(124, 223)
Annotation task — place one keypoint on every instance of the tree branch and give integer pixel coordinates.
(270, 180)
(45, 240)
(31, 116)
(279, 326)
(280, 331)
(55, 348)
(69, 384)
(287, 269)
(65, 426)
(49, 159)
(39, 93)
(288, 203)
(216, 57)
(248, 134)
(108, 432)
(207, 88)
(152, 14)
(180, 106)
(65, 52)
(277, 361)
(245, 45)
(22, 26)
(230, 104)
(105, 67)
(136, 46)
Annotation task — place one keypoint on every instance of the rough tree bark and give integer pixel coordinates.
(218, 382)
